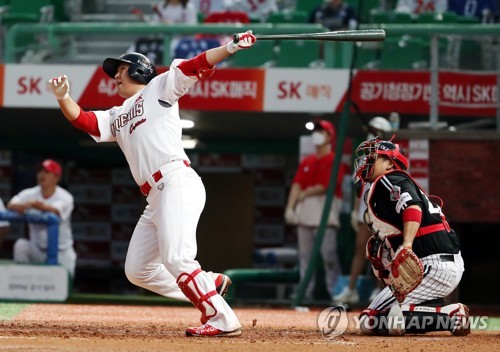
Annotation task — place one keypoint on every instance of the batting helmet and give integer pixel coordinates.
(141, 69)
(368, 151)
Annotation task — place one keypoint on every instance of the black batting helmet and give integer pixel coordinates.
(141, 69)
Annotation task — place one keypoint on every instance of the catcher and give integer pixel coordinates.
(412, 249)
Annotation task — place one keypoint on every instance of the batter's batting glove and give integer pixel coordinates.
(60, 87)
(241, 41)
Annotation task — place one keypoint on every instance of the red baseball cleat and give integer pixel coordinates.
(460, 320)
(208, 330)
(222, 283)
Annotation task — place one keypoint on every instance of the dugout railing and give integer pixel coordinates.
(35, 282)
(54, 33)
(36, 217)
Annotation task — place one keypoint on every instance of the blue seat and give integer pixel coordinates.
(190, 47)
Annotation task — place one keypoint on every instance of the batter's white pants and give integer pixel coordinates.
(26, 252)
(440, 279)
(163, 244)
(306, 237)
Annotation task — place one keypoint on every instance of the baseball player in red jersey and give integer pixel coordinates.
(306, 201)
(400, 215)
(162, 250)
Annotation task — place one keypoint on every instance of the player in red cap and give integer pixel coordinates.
(47, 196)
(306, 201)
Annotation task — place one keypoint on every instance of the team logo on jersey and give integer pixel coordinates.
(395, 193)
(123, 119)
(135, 124)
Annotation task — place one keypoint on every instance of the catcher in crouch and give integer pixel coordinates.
(413, 249)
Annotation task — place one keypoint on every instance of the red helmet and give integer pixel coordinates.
(368, 151)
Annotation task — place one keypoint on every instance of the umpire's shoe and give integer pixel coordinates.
(208, 330)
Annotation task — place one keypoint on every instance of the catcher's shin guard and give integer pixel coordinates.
(197, 295)
(421, 319)
(412, 319)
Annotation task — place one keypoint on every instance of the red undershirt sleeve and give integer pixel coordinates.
(197, 66)
(412, 214)
(87, 122)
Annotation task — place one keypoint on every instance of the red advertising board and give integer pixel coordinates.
(409, 92)
(228, 90)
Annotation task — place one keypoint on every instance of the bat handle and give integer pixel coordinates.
(236, 38)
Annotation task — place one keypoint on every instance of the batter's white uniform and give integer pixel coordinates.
(34, 250)
(163, 246)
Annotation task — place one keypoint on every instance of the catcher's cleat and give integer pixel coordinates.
(460, 320)
(396, 321)
(208, 330)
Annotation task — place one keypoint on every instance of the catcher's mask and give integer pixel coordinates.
(368, 151)
(141, 69)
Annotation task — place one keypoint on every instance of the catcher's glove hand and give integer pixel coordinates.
(406, 273)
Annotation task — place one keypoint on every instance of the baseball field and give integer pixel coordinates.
(94, 327)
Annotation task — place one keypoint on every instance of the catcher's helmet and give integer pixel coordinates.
(368, 151)
(141, 69)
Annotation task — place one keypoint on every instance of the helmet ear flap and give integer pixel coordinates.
(135, 72)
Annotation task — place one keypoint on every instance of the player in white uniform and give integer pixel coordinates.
(162, 250)
(47, 196)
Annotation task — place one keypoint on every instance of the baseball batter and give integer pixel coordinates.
(162, 250)
(400, 215)
(47, 196)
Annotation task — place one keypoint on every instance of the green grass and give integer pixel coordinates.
(493, 324)
(10, 310)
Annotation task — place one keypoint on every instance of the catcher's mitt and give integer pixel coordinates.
(406, 273)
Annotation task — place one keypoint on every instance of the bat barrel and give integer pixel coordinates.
(350, 36)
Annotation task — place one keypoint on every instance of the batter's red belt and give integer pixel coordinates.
(157, 176)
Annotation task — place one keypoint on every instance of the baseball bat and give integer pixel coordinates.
(363, 35)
